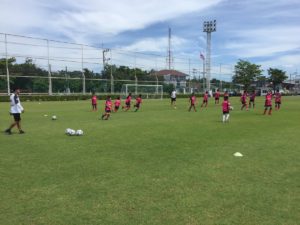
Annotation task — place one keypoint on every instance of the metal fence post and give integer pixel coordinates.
(7, 70)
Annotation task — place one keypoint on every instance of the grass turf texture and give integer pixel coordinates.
(156, 166)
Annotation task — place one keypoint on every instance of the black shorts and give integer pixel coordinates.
(107, 110)
(127, 104)
(278, 103)
(244, 103)
(117, 107)
(17, 117)
(225, 112)
(204, 101)
(137, 105)
(173, 99)
(268, 106)
(251, 100)
(217, 99)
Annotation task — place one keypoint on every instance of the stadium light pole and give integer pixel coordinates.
(6, 60)
(208, 28)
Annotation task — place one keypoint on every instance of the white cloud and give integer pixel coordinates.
(78, 17)
(265, 42)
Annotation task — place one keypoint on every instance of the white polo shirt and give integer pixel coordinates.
(15, 104)
(173, 94)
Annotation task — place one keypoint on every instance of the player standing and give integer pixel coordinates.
(193, 102)
(94, 102)
(117, 104)
(225, 109)
(277, 100)
(244, 101)
(15, 110)
(268, 103)
(205, 100)
(217, 96)
(108, 106)
(138, 102)
(252, 99)
(127, 103)
(173, 98)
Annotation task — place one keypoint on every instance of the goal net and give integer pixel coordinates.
(147, 91)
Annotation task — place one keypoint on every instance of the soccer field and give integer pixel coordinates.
(158, 166)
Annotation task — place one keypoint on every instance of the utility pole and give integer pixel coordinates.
(208, 27)
(7, 70)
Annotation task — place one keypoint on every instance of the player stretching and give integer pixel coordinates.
(94, 102)
(244, 101)
(268, 103)
(117, 104)
(252, 99)
(138, 102)
(127, 103)
(217, 97)
(225, 109)
(277, 100)
(108, 106)
(205, 100)
(193, 102)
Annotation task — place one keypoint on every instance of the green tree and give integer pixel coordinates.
(277, 76)
(246, 73)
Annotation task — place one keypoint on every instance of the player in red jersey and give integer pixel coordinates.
(193, 102)
(117, 104)
(205, 100)
(94, 102)
(268, 103)
(252, 99)
(127, 103)
(244, 101)
(226, 94)
(217, 96)
(138, 102)
(277, 100)
(108, 107)
(226, 108)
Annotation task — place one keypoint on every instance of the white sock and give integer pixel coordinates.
(227, 117)
(224, 118)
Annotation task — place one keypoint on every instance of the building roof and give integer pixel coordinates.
(172, 73)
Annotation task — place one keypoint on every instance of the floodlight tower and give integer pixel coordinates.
(208, 27)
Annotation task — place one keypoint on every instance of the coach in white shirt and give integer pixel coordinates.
(15, 110)
(173, 98)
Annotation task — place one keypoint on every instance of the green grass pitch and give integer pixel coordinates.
(157, 166)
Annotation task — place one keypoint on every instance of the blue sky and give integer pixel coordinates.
(265, 32)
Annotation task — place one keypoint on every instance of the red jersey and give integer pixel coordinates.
(94, 100)
(217, 94)
(117, 102)
(128, 99)
(193, 100)
(138, 100)
(108, 104)
(268, 100)
(205, 97)
(225, 106)
(243, 98)
(277, 97)
(252, 96)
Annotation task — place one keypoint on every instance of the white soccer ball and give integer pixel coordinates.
(79, 132)
(231, 107)
(54, 118)
(70, 132)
